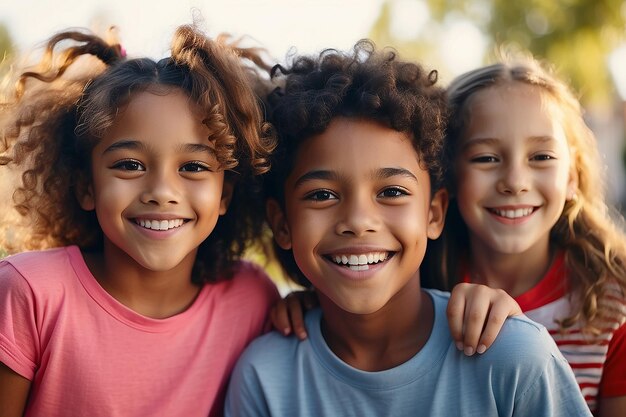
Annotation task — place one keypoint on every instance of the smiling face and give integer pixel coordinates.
(358, 213)
(513, 171)
(157, 189)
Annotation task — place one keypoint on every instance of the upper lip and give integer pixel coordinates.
(159, 216)
(356, 250)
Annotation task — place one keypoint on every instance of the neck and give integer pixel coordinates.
(514, 273)
(384, 339)
(154, 294)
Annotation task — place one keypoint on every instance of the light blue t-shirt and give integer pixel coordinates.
(522, 374)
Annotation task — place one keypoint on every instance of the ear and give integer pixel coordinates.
(278, 223)
(572, 185)
(85, 195)
(227, 195)
(437, 213)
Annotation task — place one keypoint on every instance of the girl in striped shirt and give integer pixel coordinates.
(528, 215)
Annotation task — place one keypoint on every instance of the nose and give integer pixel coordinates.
(160, 188)
(514, 178)
(358, 215)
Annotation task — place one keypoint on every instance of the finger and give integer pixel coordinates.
(309, 300)
(503, 305)
(279, 317)
(476, 313)
(456, 314)
(296, 316)
(495, 321)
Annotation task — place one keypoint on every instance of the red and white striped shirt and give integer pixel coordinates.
(598, 362)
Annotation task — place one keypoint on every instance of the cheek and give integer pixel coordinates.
(307, 226)
(409, 222)
(112, 192)
(208, 197)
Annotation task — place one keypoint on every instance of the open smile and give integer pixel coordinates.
(160, 224)
(361, 261)
(513, 214)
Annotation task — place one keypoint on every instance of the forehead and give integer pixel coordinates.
(352, 147)
(514, 109)
(161, 103)
(514, 93)
(159, 112)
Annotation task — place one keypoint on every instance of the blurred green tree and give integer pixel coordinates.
(6, 47)
(575, 35)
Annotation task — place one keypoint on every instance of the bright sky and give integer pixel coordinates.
(146, 26)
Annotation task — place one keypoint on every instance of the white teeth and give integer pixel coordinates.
(514, 214)
(360, 262)
(160, 224)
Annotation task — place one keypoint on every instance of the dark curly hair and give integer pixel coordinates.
(59, 110)
(364, 83)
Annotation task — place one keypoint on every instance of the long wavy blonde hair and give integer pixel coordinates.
(589, 232)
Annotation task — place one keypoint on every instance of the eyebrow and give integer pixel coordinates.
(381, 173)
(478, 141)
(541, 139)
(494, 141)
(124, 144)
(197, 148)
(384, 173)
(319, 174)
(138, 145)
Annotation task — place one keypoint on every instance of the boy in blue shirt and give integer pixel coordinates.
(354, 194)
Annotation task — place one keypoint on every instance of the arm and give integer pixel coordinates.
(612, 398)
(287, 313)
(612, 407)
(13, 392)
(476, 314)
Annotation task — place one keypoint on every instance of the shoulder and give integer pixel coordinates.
(526, 341)
(37, 267)
(246, 270)
(249, 289)
(251, 278)
(267, 355)
(275, 351)
(614, 300)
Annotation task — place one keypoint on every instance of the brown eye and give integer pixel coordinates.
(484, 159)
(129, 165)
(194, 167)
(542, 157)
(320, 195)
(392, 192)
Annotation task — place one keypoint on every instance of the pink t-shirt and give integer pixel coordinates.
(88, 355)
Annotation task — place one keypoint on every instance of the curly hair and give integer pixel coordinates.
(588, 231)
(365, 83)
(60, 109)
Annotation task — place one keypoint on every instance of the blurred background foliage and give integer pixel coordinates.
(575, 35)
(6, 48)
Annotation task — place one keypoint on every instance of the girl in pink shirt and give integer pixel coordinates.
(135, 172)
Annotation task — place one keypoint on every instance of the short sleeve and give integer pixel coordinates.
(613, 383)
(18, 329)
(554, 393)
(244, 397)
